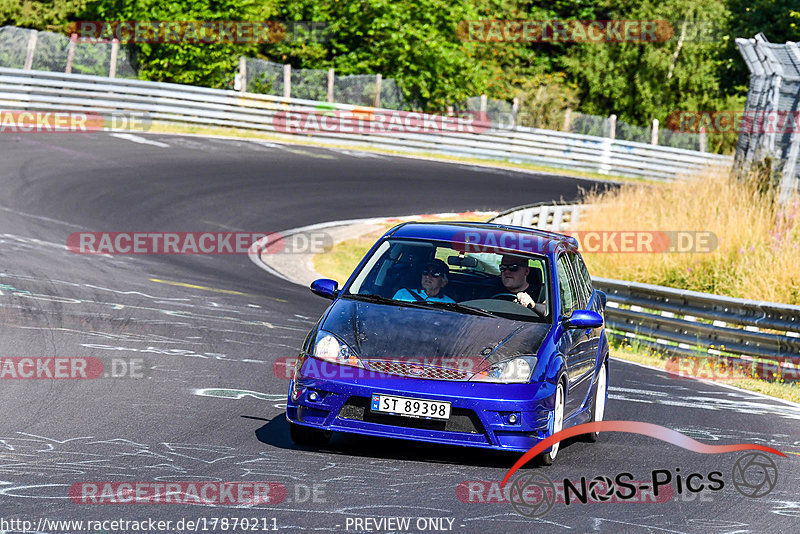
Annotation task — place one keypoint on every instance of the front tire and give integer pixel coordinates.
(599, 404)
(548, 458)
(309, 437)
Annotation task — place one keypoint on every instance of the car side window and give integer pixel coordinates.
(569, 302)
(582, 279)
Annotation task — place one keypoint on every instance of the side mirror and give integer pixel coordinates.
(325, 287)
(584, 319)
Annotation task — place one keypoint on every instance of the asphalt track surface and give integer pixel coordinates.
(226, 333)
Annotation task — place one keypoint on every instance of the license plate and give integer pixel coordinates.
(411, 407)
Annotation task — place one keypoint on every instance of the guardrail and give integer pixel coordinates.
(682, 322)
(39, 90)
(543, 216)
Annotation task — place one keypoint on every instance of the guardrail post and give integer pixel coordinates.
(242, 76)
(71, 52)
(330, 84)
(378, 83)
(567, 119)
(605, 156)
(514, 111)
(31, 49)
(112, 67)
(287, 81)
(702, 139)
(574, 217)
(558, 218)
(544, 213)
(654, 136)
(484, 103)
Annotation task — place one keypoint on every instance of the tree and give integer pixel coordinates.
(416, 42)
(40, 15)
(778, 20)
(640, 81)
(198, 63)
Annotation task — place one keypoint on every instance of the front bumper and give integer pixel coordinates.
(479, 411)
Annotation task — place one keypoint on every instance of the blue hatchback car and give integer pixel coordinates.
(472, 334)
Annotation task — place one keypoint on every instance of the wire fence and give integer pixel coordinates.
(504, 114)
(22, 48)
(266, 77)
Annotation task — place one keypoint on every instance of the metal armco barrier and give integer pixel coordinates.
(702, 322)
(688, 323)
(39, 90)
(543, 216)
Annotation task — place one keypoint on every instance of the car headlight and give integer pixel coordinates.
(331, 349)
(514, 371)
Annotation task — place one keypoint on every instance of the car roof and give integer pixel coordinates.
(486, 237)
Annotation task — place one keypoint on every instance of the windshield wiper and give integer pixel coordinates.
(377, 299)
(472, 310)
(425, 304)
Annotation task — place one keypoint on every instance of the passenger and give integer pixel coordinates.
(514, 272)
(434, 278)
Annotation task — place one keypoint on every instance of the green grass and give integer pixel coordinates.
(338, 263)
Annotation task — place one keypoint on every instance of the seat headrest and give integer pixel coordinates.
(535, 277)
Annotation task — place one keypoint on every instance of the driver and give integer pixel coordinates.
(434, 278)
(514, 275)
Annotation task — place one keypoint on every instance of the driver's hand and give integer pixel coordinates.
(524, 299)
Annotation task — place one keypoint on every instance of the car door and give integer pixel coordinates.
(591, 296)
(575, 342)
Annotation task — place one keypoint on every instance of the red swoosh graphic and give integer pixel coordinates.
(634, 427)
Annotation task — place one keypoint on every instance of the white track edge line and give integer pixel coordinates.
(714, 383)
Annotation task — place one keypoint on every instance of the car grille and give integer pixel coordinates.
(461, 420)
(413, 370)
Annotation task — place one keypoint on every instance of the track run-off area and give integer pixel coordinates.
(191, 341)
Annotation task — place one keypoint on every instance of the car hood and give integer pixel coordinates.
(389, 332)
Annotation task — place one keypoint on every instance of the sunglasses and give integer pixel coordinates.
(431, 272)
(513, 268)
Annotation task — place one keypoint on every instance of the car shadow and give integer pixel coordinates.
(276, 433)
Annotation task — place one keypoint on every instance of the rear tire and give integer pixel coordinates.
(599, 403)
(548, 458)
(309, 437)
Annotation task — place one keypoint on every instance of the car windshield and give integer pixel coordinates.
(431, 274)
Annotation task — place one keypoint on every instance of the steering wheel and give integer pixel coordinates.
(511, 298)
